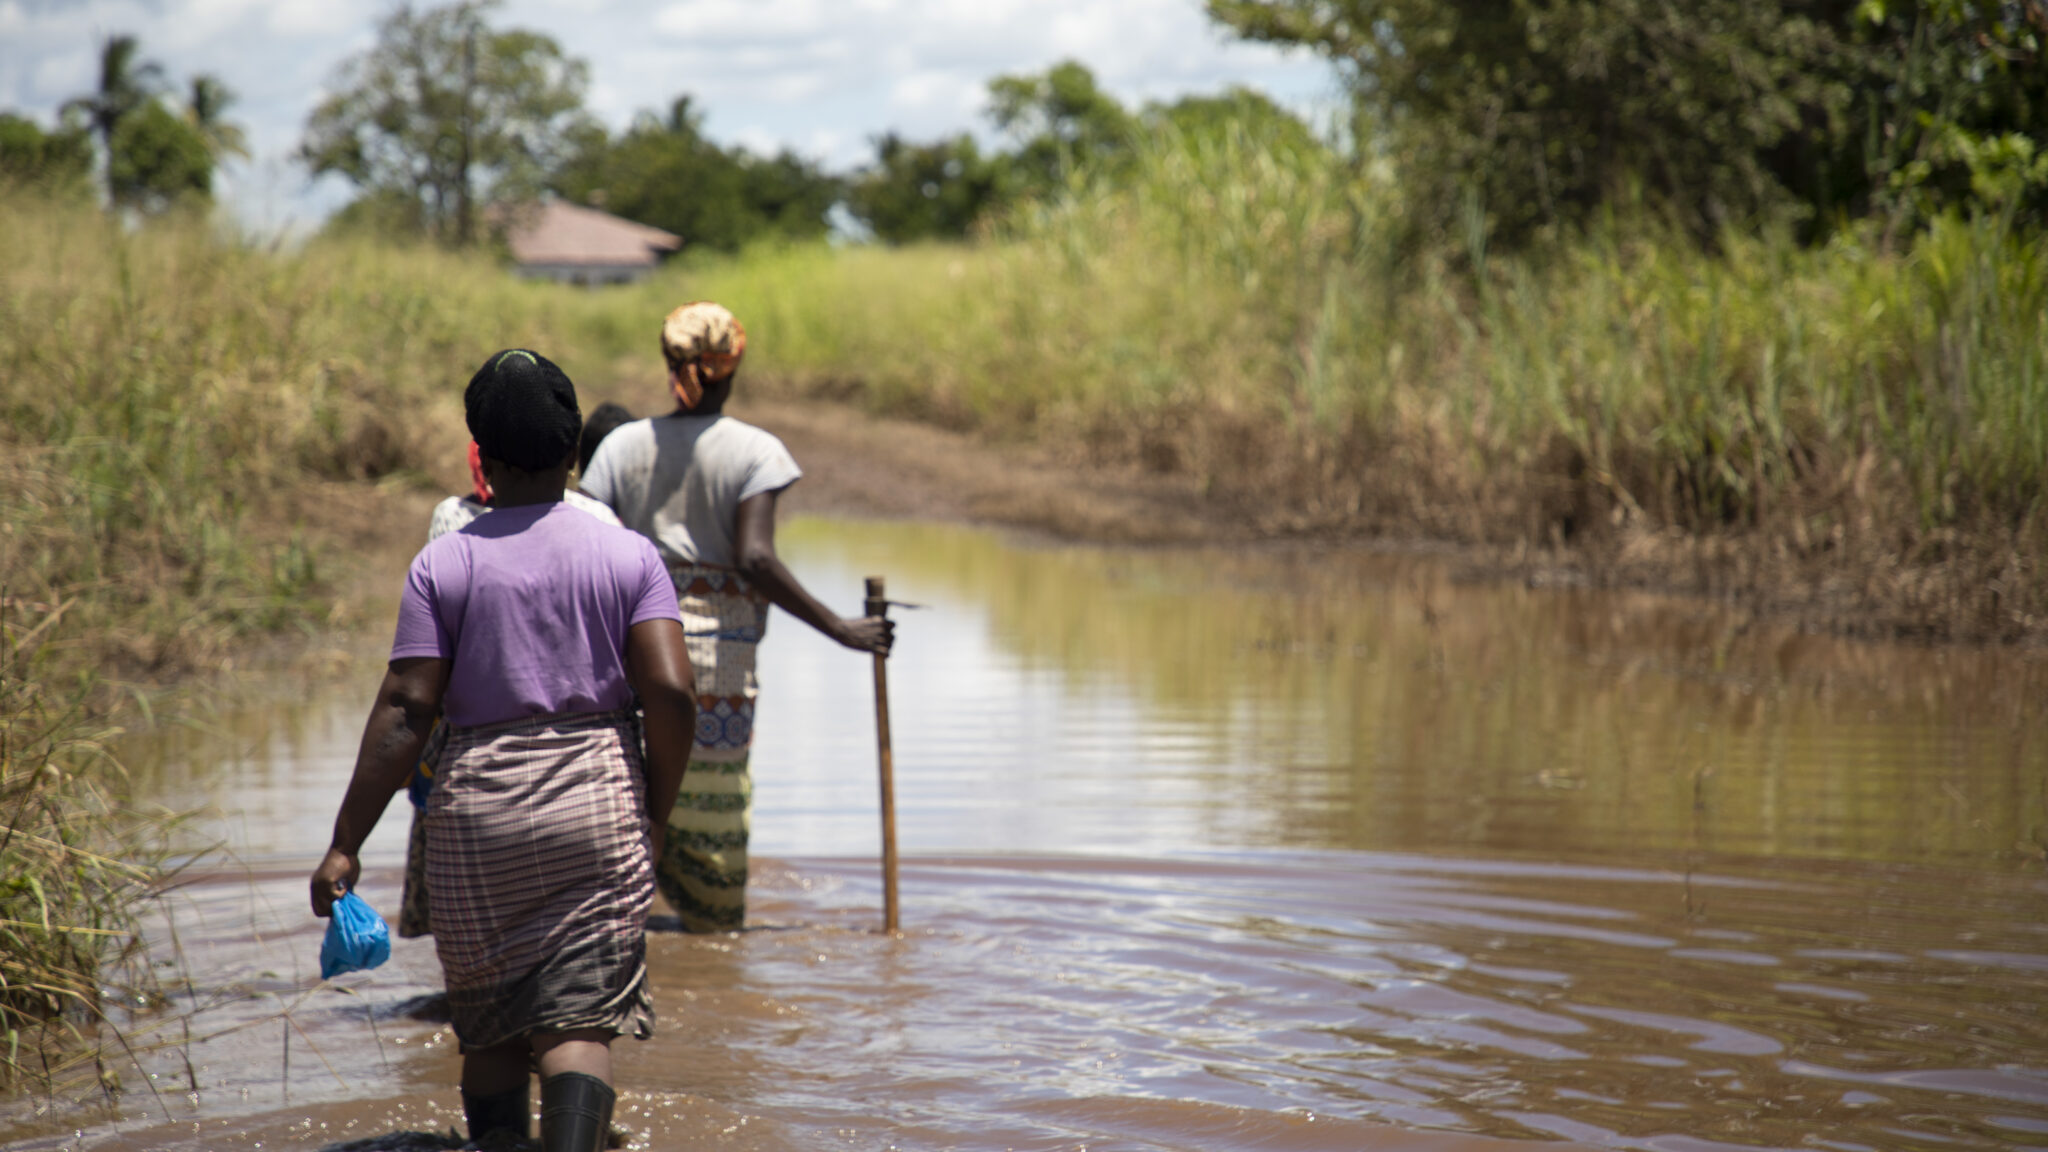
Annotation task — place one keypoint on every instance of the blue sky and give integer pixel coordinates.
(820, 76)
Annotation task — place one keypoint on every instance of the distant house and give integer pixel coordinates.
(557, 240)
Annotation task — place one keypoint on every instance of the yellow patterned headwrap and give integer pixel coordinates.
(707, 336)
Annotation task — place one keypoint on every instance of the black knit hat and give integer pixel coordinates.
(521, 409)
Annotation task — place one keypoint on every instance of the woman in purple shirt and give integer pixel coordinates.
(533, 629)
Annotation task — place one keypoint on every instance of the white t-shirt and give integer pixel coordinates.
(455, 513)
(679, 481)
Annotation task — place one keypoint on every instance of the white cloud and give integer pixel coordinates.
(70, 73)
(295, 18)
(947, 93)
(204, 23)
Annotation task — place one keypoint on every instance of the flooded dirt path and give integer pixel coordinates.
(1211, 850)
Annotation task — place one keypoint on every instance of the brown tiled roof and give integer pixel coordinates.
(558, 232)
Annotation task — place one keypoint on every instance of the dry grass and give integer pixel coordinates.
(74, 864)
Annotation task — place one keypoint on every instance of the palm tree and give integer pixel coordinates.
(205, 111)
(126, 81)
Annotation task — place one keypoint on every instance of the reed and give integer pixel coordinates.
(1229, 309)
(1243, 313)
(75, 864)
(1190, 286)
(1720, 390)
(1848, 413)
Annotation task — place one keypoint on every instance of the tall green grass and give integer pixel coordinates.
(73, 864)
(1248, 316)
(1230, 309)
(1725, 389)
(1193, 287)
(180, 408)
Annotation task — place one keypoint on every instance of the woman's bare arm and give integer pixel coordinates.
(658, 667)
(754, 542)
(407, 702)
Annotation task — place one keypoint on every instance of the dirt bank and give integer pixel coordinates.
(858, 464)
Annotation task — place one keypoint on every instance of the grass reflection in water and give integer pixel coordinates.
(1316, 699)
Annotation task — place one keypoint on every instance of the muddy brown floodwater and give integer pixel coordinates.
(1215, 850)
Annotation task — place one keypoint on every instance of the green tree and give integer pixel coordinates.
(153, 157)
(127, 82)
(1061, 124)
(924, 191)
(449, 115)
(1061, 127)
(58, 162)
(793, 196)
(1236, 109)
(1535, 112)
(158, 161)
(1063, 130)
(1956, 106)
(663, 171)
(206, 111)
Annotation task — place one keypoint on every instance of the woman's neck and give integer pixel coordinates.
(520, 499)
(511, 488)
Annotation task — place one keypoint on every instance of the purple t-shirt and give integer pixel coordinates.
(531, 604)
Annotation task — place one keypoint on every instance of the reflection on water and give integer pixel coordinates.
(1085, 699)
(1069, 699)
(1280, 851)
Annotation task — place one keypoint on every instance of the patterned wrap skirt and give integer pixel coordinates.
(702, 873)
(541, 868)
(413, 918)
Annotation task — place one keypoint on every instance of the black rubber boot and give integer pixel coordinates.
(501, 1112)
(575, 1112)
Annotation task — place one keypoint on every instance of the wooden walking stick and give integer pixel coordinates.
(878, 606)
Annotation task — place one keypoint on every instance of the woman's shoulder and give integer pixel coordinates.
(741, 436)
(445, 554)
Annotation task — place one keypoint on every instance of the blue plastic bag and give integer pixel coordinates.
(356, 938)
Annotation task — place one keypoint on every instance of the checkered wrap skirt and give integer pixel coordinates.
(542, 873)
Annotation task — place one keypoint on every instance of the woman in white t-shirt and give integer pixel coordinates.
(703, 487)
